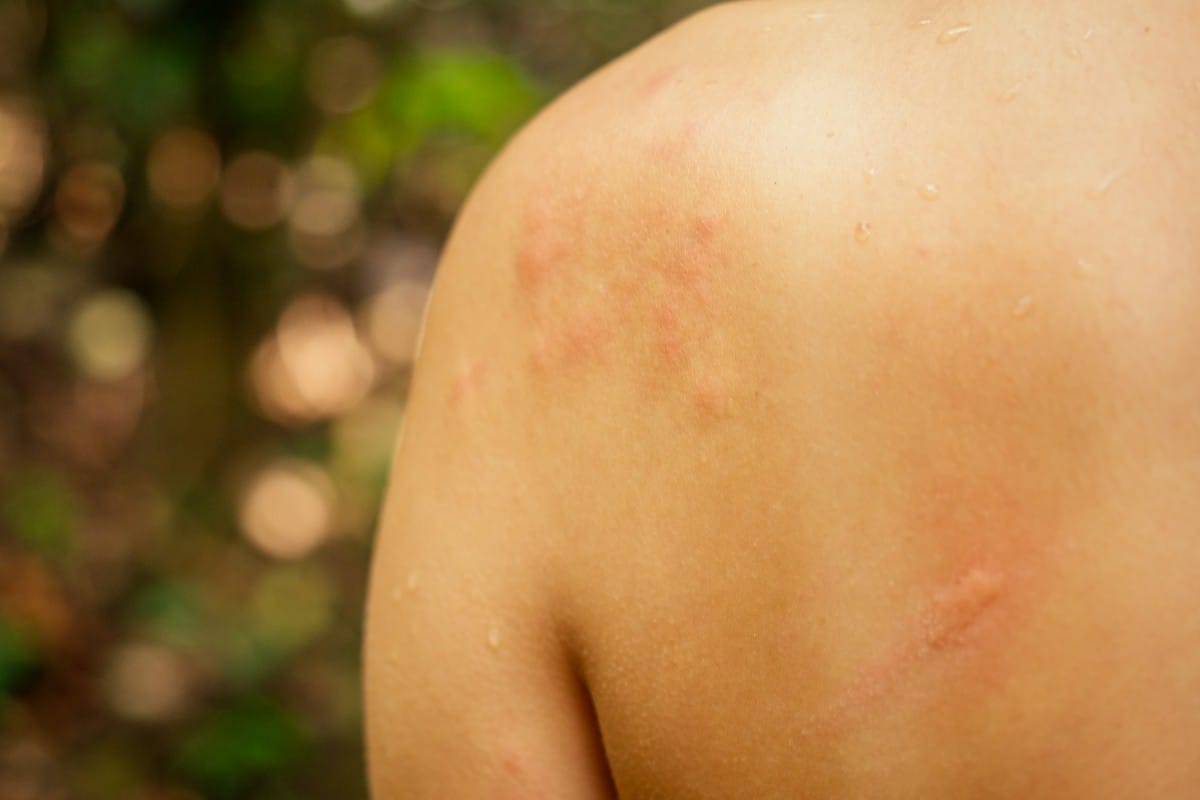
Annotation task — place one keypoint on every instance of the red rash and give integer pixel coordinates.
(959, 617)
(956, 609)
(670, 344)
(581, 340)
(546, 242)
(994, 553)
(589, 289)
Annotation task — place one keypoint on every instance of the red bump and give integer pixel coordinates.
(534, 263)
(581, 340)
(684, 266)
(585, 337)
(514, 766)
(467, 382)
(541, 248)
(958, 608)
(707, 225)
(670, 342)
(658, 83)
(712, 401)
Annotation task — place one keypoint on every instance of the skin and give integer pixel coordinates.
(809, 407)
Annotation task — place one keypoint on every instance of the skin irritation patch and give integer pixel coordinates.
(967, 620)
(552, 229)
(957, 608)
(957, 620)
(583, 339)
(598, 294)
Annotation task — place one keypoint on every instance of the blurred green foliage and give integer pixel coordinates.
(233, 747)
(218, 221)
(18, 658)
(38, 508)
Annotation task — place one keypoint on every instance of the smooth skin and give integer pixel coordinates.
(809, 406)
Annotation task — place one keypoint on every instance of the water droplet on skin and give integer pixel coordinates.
(817, 16)
(930, 191)
(923, 22)
(1087, 37)
(1084, 268)
(868, 174)
(1074, 52)
(413, 581)
(952, 35)
(1023, 307)
(1104, 185)
(862, 232)
(1010, 94)
(493, 640)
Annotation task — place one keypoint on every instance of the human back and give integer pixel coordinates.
(809, 407)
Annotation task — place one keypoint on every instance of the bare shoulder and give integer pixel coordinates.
(850, 341)
(770, 185)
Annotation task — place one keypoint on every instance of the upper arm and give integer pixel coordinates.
(470, 686)
(470, 689)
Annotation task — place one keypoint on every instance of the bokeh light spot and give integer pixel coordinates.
(343, 74)
(110, 335)
(256, 191)
(88, 201)
(392, 321)
(326, 230)
(184, 167)
(329, 197)
(370, 8)
(147, 683)
(22, 159)
(314, 367)
(287, 510)
(274, 390)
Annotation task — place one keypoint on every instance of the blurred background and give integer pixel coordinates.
(218, 224)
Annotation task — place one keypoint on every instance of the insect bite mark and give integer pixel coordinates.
(468, 382)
